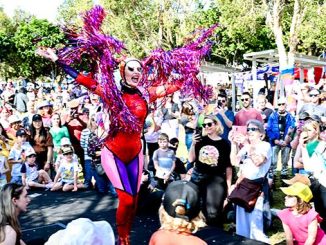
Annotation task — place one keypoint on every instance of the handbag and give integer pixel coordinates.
(246, 193)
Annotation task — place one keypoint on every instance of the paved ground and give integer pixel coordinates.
(50, 211)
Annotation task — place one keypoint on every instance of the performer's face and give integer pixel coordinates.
(133, 72)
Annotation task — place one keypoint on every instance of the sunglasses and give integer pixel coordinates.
(313, 95)
(281, 104)
(139, 69)
(68, 154)
(223, 101)
(210, 124)
(252, 129)
(246, 99)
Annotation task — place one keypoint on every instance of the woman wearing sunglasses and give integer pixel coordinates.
(254, 160)
(213, 170)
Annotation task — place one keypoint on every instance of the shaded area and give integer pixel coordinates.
(51, 211)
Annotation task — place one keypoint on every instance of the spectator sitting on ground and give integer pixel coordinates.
(68, 172)
(13, 201)
(16, 155)
(31, 177)
(299, 219)
(179, 216)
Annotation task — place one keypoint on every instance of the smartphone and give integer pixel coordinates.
(219, 104)
(199, 131)
(240, 129)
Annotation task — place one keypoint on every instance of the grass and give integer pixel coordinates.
(276, 233)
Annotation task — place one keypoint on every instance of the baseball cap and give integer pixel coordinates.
(315, 118)
(298, 189)
(44, 104)
(65, 141)
(37, 117)
(30, 151)
(20, 132)
(14, 118)
(304, 115)
(83, 231)
(298, 178)
(67, 150)
(181, 200)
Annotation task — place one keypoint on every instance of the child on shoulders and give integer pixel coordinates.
(31, 177)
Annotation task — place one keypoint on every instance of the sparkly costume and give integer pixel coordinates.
(121, 155)
(164, 72)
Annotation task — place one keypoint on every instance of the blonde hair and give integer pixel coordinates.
(180, 225)
(302, 206)
(219, 128)
(314, 124)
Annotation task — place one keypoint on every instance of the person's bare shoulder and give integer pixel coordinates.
(11, 235)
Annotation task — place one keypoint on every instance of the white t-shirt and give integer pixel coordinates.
(248, 168)
(67, 170)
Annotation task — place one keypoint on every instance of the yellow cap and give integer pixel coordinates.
(298, 189)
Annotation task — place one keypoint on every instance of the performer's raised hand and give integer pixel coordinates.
(47, 53)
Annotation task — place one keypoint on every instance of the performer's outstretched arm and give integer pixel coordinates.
(86, 81)
(163, 90)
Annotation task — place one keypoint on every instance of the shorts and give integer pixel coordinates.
(3, 182)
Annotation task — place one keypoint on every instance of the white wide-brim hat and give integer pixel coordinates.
(83, 231)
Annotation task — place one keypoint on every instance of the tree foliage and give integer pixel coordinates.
(150, 24)
(19, 39)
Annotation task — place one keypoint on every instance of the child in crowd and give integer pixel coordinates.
(300, 221)
(4, 168)
(65, 143)
(16, 155)
(31, 177)
(68, 172)
(179, 216)
(164, 162)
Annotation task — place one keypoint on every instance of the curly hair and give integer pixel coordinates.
(180, 225)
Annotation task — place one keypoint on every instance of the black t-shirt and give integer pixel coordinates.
(212, 156)
(281, 124)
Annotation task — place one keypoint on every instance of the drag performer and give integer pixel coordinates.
(141, 84)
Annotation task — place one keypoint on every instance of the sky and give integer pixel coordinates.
(43, 9)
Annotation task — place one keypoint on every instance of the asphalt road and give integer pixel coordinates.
(50, 211)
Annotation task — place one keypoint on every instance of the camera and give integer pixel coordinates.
(219, 104)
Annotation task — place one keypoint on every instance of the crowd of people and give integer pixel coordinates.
(54, 142)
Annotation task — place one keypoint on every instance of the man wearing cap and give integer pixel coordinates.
(280, 126)
(314, 107)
